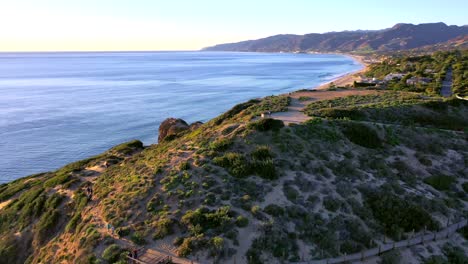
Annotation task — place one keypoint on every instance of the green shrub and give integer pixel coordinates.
(274, 210)
(58, 179)
(362, 135)
(206, 219)
(266, 124)
(235, 163)
(290, 192)
(265, 169)
(397, 215)
(221, 144)
(234, 111)
(392, 257)
(440, 182)
(138, 238)
(46, 226)
(128, 147)
(242, 221)
(112, 253)
(331, 204)
(262, 153)
(185, 165)
(163, 228)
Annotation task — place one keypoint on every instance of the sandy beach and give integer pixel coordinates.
(347, 78)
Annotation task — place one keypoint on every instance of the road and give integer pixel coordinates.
(446, 90)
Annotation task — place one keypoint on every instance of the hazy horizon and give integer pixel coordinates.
(145, 25)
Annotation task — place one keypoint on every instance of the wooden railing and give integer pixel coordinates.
(445, 233)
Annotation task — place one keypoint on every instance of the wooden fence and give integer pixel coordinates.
(445, 233)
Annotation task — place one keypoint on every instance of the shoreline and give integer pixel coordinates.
(347, 78)
(339, 81)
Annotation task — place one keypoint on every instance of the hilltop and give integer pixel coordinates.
(368, 166)
(399, 37)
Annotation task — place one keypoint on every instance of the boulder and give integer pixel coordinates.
(196, 125)
(171, 128)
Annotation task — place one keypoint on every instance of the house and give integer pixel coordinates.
(418, 80)
(393, 76)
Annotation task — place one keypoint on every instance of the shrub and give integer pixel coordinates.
(242, 221)
(331, 204)
(221, 144)
(129, 147)
(206, 219)
(138, 238)
(396, 214)
(262, 153)
(274, 210)
(392, 257)
(290, 192)
(265, 169)
(235, 163)
(58, 179)
(440, 182)
(234, 111)
(46, 225)
(362, 135)
(163, 227)
(185, 165)
(112, 253)
(266, 124)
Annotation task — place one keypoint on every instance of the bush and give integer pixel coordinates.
(362, 135)
(262, 153)
(274, 210)
(331, 204)
(112, 253)
(440, 182)
(185, 165)
(138, 238)
(163, 227)
(265, 169)
(221, 144)
(290, 192)
(46, 225)
(235, 163)
(392, 257)
(242, 221)
(397, 215)
(266, 124)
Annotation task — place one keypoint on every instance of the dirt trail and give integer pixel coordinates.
(150, 253)
(299, 100)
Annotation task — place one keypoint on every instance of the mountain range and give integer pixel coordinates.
(399, 37)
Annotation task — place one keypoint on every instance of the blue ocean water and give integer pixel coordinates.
(56, 108)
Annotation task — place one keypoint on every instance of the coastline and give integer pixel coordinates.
(339, 80)
(347, 78)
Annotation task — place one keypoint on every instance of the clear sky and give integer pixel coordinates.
(57, 25)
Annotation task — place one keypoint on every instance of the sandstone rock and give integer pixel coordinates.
(195, 126)
(171, 128)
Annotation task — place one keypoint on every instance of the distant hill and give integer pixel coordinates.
(399, 37)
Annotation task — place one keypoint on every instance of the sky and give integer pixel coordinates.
(111, 25)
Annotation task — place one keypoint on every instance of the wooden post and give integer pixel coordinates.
(362, 255)
(380, 249)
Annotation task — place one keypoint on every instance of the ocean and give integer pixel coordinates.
(56, 108)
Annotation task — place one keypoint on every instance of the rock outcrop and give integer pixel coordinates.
(171, 128)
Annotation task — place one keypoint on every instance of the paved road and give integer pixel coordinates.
(446, 90)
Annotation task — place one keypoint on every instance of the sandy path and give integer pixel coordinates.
(295, 114)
